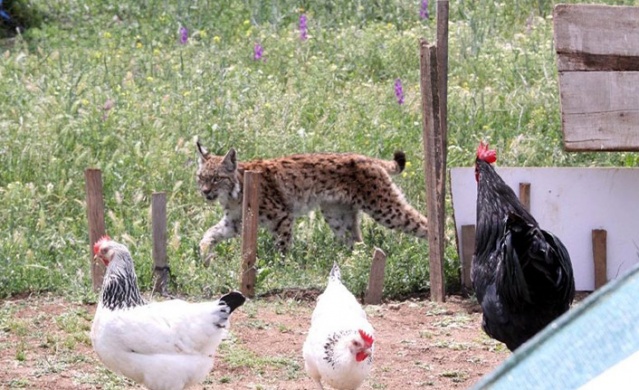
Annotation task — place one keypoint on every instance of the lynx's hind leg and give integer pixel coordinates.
(282, 230)
(343, 220)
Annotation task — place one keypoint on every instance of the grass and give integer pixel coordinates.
(108, 85)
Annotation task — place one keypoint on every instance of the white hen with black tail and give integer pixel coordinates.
(338, 350)
(162, 345)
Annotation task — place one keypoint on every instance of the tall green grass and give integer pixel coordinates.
(108, 85)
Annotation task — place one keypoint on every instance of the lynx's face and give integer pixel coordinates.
(217, 176)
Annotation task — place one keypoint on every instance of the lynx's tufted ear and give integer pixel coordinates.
(230, 162)
(202, 153)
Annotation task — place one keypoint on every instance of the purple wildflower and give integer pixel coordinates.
(399, 91)
(258, 52)
(423, 10)
(303, 27)
(184, 35)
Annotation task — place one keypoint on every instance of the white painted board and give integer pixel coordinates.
(570, 202)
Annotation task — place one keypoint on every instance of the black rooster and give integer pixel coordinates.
(522, 275)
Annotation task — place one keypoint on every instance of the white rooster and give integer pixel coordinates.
(166, 345)
(339, 347)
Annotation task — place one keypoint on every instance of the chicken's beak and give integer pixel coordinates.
(98, 259)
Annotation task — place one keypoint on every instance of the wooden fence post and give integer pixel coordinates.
(599, 254)
(442, 88)
(158, 222)
(95, 217)
(434, 86)
(524, 195)
(376, 279)
(432, 168)
(467, 252)
(250, 219)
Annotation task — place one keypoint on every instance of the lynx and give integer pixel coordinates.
(340, 184)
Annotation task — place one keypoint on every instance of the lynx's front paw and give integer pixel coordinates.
(205, 252)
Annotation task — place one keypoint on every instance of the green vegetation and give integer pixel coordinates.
(109, 85)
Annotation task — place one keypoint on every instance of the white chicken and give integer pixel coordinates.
(338, 350)
(166, 345)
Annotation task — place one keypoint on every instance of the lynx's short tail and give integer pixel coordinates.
(397, 165)
(400, 159)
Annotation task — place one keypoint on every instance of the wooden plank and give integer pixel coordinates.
(432, 166)
(250, 214)
(600, 110)
(596, 37)
(524, 195)
(467, 253)
(594, 62)
(585, 92)
(600, 256)
(160, 259)
(376, 278)
(95, 217)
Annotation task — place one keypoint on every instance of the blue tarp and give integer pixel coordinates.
(589, 339)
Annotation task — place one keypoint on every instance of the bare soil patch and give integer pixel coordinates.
(44, 344)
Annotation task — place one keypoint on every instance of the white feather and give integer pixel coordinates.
(166, 345)
(337, 316)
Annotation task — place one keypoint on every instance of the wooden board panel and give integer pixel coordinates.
(600, 110)
(596, 37)
(570, 202)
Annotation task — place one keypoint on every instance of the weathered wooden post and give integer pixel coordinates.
(442, 88)
(600, 256)
(432, 168)
(434, 86)
(467, 253)
(95, 217)
(158, 222)
(250, 218)
(524, 195)
(376, 279)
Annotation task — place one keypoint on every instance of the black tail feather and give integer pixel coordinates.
(233, 300)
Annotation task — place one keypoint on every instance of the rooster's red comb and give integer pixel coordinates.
(98, 244)
(368, 339)
(485, 154)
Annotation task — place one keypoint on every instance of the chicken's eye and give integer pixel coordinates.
(356, 344)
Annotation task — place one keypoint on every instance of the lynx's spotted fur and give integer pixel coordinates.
(339, 184)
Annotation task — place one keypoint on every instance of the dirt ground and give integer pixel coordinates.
(44, 344)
